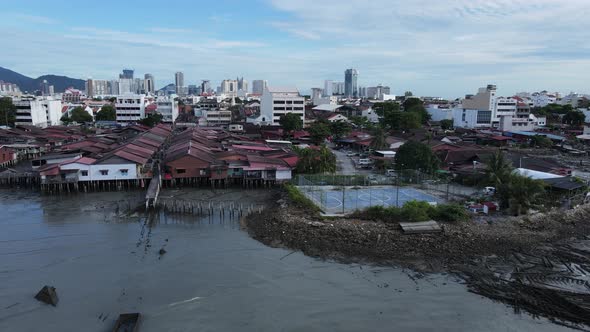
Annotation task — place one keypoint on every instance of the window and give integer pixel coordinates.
(289, 102)
(298, 102)
(180, 171)
(124, 171)
(279, 108)
(84, 173)
(104, 172)
(203, 172)
(279, 102)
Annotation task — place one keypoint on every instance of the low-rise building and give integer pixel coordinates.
(130, 108)
(37, 111)
(168, 108)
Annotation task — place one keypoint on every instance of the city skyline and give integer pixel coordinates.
(431, 48)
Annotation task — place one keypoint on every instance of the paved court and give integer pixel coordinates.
(335, 200)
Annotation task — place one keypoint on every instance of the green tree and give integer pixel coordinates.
(291, 122)
(340, 128)
(520, 193)
(7, 112)
(498, 169)
(574, 118)
(446, 124)
(319, 131)
(410, 102)
(379, 138)
(408, 94)
(65, 119)
(152, 119)
(106, 113)
(80, 115)
(421, 111)
(409, 120)
(313, 161)
(541, 141)
(389, 113)
(416, 155)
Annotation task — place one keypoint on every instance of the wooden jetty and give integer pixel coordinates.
(424, 227)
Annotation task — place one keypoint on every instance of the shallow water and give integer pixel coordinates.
(214, 277)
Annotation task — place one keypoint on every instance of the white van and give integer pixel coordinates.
(365, 162)
(390, 172)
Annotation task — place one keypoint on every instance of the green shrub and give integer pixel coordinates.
(299, 199)
(450, 213)
(413, 211)
(417, 211)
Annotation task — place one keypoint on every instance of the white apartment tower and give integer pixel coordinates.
(168, 107)
(40, 112)
(276, 102)
(130, 108)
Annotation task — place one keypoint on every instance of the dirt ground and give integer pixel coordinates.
(538, 263)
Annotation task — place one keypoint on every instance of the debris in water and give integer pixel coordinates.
(48, 295)
(162, 251)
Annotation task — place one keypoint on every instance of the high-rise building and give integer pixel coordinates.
(96, 88)
(229, 87)
(179, 82)
(242, 84)
(125, 86)
(350, 83)
(276, 102)
(138, 86)
(337, 88)
(193, 90)
(258, 86)
(113, 87)
(206, 87)
(127, 74)
(44, 87)
(149, 84)
(328, 88)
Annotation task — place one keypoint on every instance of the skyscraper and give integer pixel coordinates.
(127, 73)
(179, 82)
(328, 91)
(149, 84)
(242, 84)
(350, 83)
(206, 87)
(258, 86)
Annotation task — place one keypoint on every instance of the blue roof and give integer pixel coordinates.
(532, 133)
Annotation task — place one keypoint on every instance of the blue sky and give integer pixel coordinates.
(432, 47)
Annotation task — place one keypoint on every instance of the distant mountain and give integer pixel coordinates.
(60, 83)
(168, 88)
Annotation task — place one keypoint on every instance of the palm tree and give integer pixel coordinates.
(524, 193)
(499, 169)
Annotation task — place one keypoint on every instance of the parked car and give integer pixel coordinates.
(390, 172)
(365, 162)
(489, 191)
(351, 154)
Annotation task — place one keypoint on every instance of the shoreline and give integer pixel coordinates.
(538, 263)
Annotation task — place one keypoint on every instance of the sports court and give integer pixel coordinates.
(335, 200)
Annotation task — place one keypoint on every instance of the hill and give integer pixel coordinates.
(60, 83)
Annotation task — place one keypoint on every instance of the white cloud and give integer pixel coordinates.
(30, 18)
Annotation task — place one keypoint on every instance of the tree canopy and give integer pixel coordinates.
(291, 122)
(498, 169)
(106, 113)
(446, 124)
(574, 118)
(319, 131)
(152, 119)
(315, 161)
(340, 128)
(416, 155)
(7, 112)
(78, 115)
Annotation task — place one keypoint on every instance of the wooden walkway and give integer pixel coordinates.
(151, 197)
(424, 227)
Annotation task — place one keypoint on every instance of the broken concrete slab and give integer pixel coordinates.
(48, 295)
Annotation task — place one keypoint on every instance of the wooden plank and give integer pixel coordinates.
(420, 227)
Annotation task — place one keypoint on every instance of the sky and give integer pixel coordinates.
(445, 48)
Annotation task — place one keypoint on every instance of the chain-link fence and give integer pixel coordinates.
(345, 193)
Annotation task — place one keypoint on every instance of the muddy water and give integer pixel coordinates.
(213, 277)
